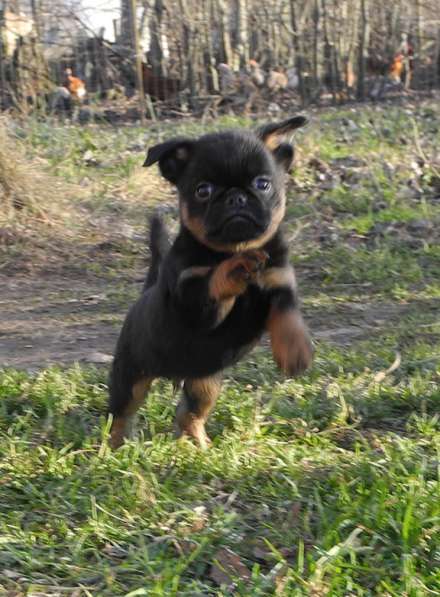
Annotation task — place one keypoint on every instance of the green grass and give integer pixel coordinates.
(324, 485)
(330, 482)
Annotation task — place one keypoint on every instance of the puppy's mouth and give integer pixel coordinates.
(237, 228)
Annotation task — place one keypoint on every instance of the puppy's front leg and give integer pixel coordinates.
(290, 340)
(210, 292)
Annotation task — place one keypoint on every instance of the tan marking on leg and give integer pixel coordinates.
(276, 277)
(232, 276)
(193, 411)
(191, 426)
(121, 424)
(224, 305)
(118, 432)
(224, 308)
(291, 345)
(198, 271)
(222, 286)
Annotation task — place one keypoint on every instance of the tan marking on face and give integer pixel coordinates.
(194, 225)
(197, 228)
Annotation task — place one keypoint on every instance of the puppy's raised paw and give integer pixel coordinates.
(232, 276)
(247, 265)
(291, 345)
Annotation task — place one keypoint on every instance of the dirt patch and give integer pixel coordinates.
(65, 319)
(56, 320)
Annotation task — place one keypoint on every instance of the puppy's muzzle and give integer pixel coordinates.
(237, 210)
(236, 201)
(239, 219)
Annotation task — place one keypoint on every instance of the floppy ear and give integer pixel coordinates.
(273, 135)
(173, 156)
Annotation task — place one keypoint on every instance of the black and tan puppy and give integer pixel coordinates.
(225, 280)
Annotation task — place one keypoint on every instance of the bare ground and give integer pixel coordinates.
(56, 320)
(62, 319)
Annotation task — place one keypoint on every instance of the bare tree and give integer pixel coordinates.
(326, 47)
(362, 51)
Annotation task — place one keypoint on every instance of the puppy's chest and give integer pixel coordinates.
(249, 312)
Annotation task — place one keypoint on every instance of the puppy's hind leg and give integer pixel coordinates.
(125, 400)
(198, 400)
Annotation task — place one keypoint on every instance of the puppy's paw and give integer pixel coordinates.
(194, 428)
(294, 356)
(232, 276)
(291, 344)
(247, 265)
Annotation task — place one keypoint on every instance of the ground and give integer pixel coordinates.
(323, 485)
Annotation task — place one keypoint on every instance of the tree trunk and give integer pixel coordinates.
(329, 57)
(41, 68)
(298, 54)
(156, 57)
(212, 83)
(2, 62)
(417, 49)
(362, 52)
(240, 42)
(225, 36)
(437, 61)
(36, 18)
(316, 18)
(138, 61)
(188, 48)
(125, 39)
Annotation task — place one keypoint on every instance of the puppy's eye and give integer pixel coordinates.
(204, 191)
(262, 183)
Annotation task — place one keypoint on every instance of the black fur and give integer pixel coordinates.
(173, 331)
(159, 247)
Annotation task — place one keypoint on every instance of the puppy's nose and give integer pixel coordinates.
(237, 200)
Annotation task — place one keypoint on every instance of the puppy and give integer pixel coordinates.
(225, 280)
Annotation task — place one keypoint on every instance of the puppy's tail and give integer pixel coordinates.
(159, 247)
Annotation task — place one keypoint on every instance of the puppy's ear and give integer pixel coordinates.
(273, 135)
(173, 156)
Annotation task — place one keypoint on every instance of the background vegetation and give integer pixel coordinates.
(324, 485)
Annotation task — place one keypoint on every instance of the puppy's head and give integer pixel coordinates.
(231, 184)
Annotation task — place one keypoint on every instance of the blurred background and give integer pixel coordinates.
(137, 59)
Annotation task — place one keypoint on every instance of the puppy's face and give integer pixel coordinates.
(231, 184)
